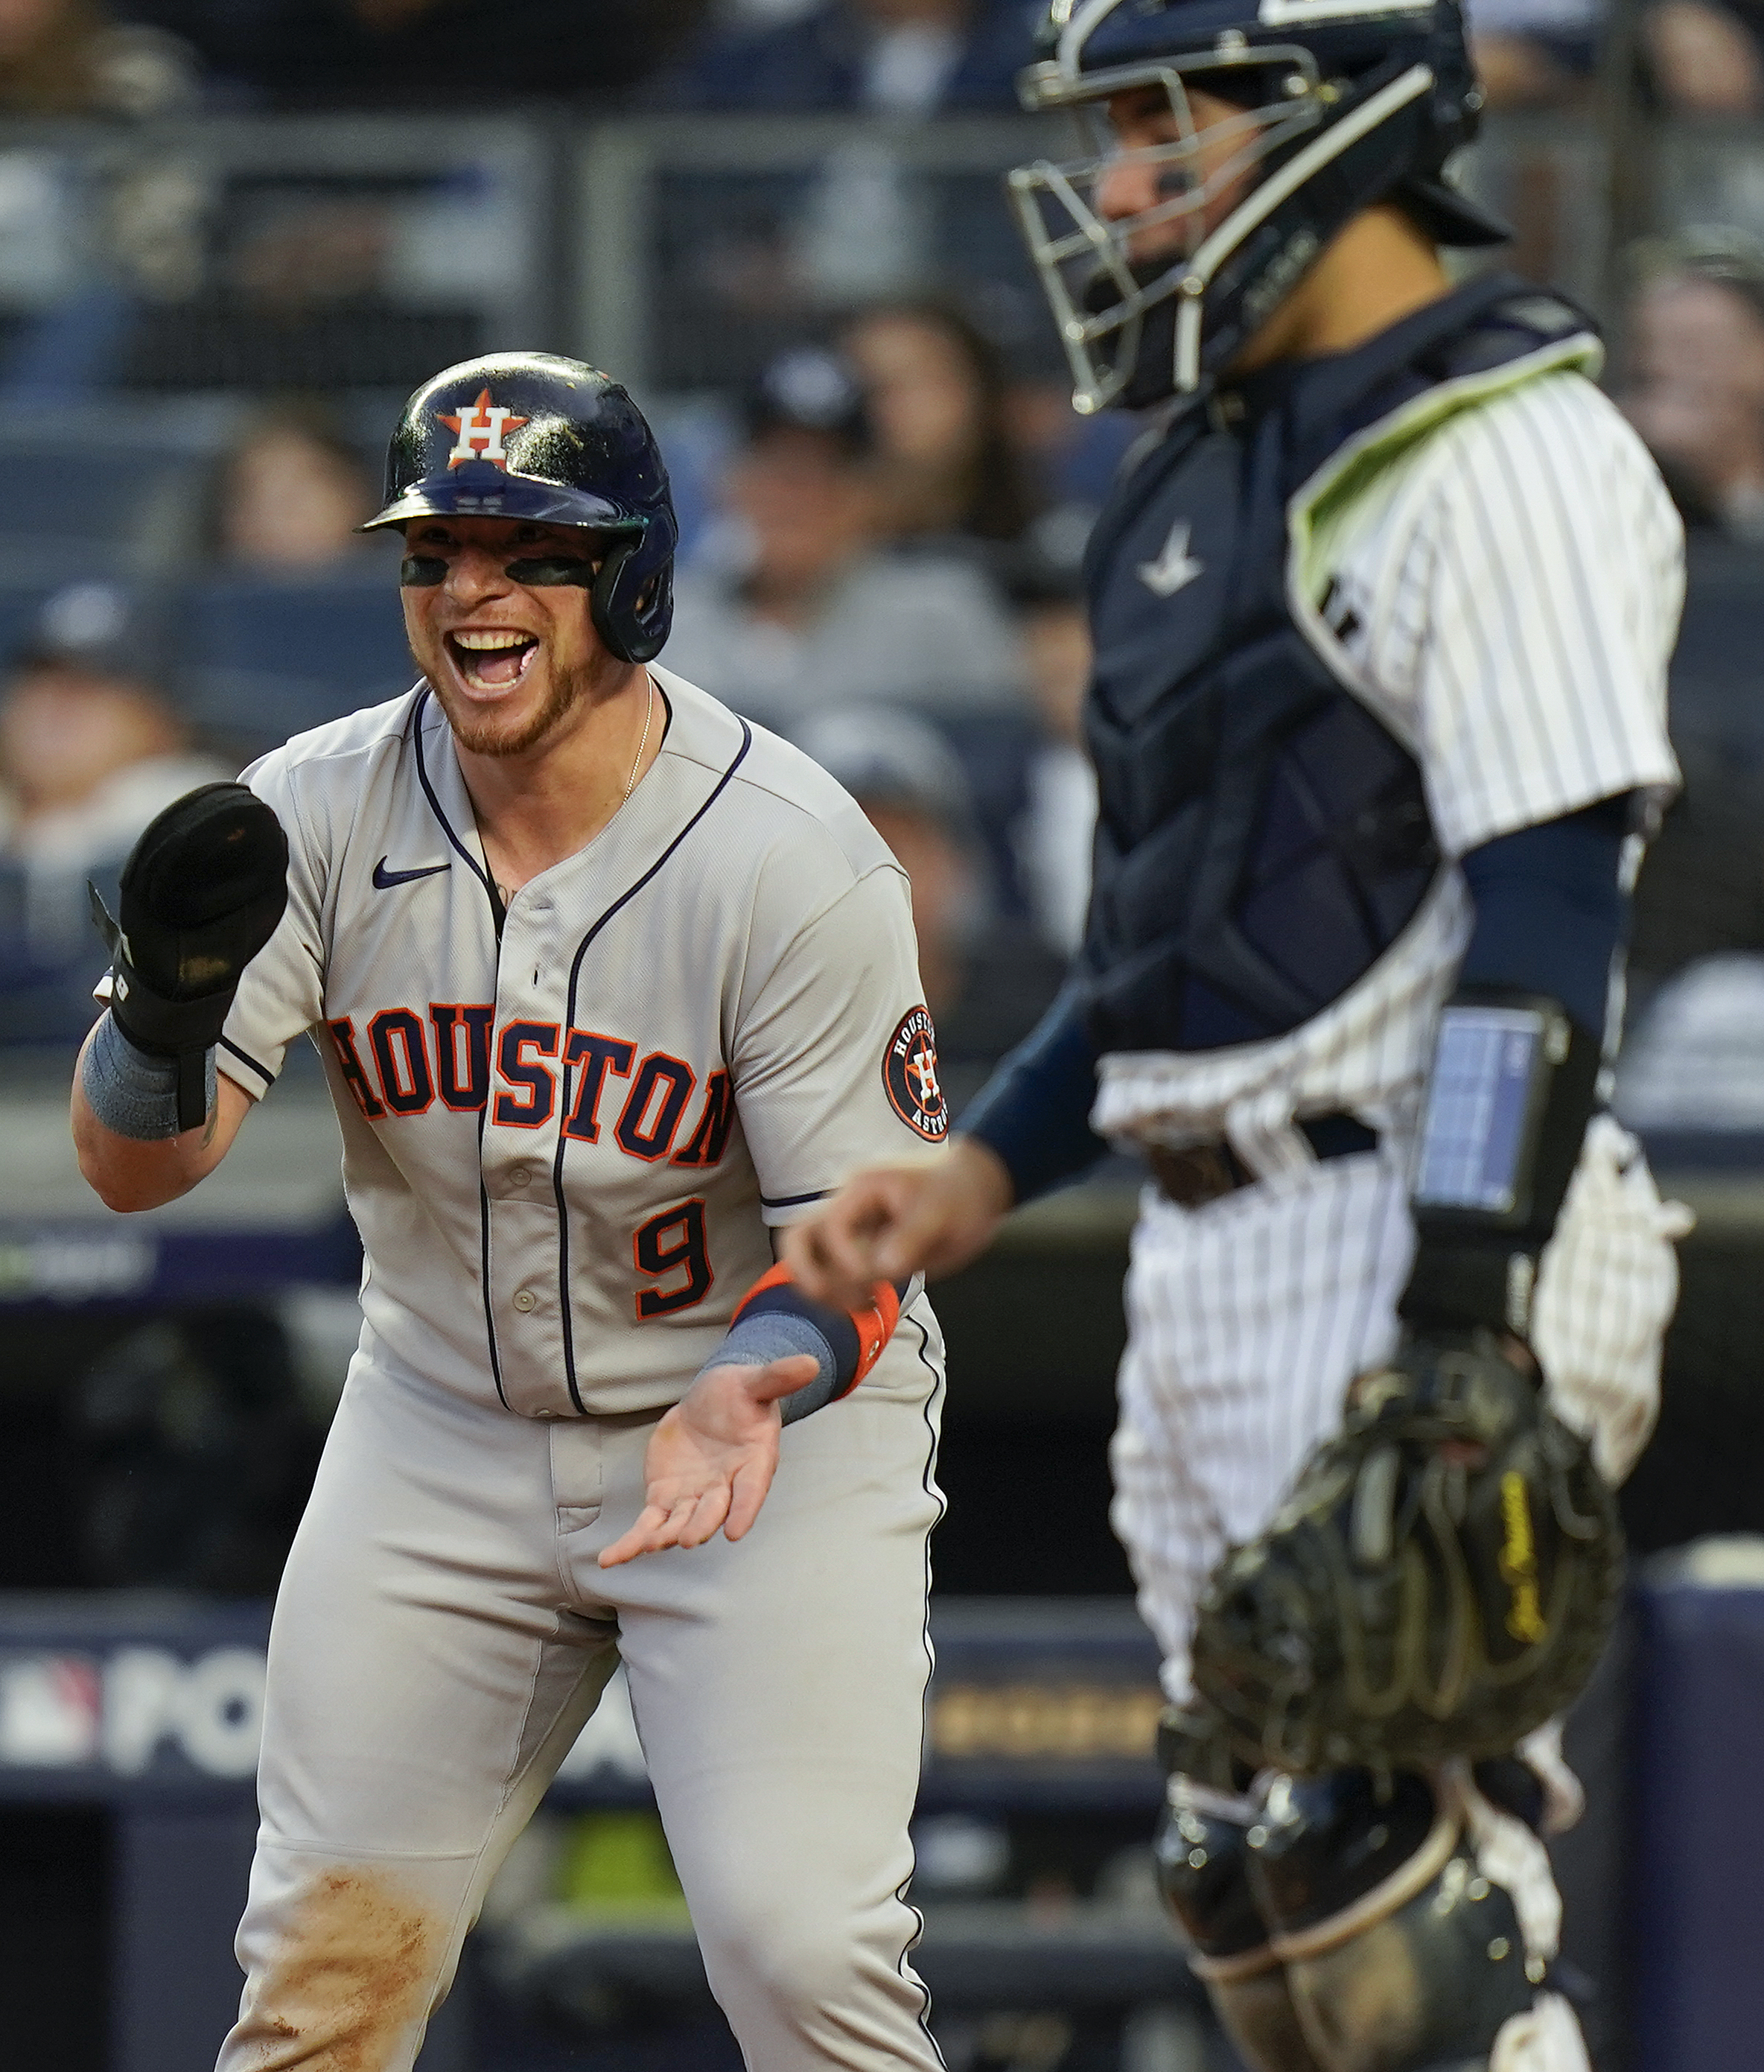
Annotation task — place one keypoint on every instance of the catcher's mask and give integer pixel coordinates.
(531, 435)
(1340, 104)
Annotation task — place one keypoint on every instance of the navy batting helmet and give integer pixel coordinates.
(1343, 102)
(530, 435)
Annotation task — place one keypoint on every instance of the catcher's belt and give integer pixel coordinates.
(1203, 1173)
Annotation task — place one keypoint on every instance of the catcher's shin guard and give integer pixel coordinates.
(1202, 1853)
(1399, 1955)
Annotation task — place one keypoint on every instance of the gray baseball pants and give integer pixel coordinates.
(442, 1634)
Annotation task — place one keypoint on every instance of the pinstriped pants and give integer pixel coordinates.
(1249, 1317)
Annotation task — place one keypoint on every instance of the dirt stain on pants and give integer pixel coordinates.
(355, 1969)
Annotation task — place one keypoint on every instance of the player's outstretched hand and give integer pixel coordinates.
(896, 1221)
(711, 1459)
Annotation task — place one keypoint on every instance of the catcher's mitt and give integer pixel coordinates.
(1439, 1580)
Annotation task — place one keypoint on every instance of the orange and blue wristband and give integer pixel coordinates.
(776, 1320)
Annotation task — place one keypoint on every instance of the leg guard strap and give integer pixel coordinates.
(1406, 1882)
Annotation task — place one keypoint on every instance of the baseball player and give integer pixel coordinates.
(608, 985)
(1382, 605)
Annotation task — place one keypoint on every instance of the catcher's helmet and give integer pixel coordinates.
(530, 435)
(1344, 103)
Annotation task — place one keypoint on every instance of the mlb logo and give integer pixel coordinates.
(52, 1708)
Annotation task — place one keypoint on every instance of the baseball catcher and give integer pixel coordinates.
(1382, 602)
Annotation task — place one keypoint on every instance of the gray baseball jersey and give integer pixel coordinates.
(566, 1130)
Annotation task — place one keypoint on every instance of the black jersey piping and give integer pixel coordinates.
(582, 948)
(245, 1058)
(473, 865)
(793, 1201)
(928, 1481)
(477, 871)
(483, 1268)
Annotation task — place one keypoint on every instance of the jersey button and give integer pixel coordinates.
(520, 1176)
(524, 1299)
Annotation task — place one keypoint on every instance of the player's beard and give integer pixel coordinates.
(570, 687)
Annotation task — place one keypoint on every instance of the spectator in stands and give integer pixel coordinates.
(794, 605)
(987, 978)
(1701, 58)
(970, 453)
(1533, 53)
(937, 393)
(1696, 389)
(1692, 1060)
(69, 57)
(1696, 393)
(1075, 458)
(1705, 60)
(887, 57)
(91, 749)
(289, 492)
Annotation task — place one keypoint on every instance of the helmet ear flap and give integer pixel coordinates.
(632, 616)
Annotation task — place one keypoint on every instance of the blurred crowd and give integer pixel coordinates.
(905, 58)
(884, 503)
(891, 578)
(884, 566)
(99, 727)
(1690, 377)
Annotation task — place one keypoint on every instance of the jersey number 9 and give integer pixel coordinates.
(673, 1242)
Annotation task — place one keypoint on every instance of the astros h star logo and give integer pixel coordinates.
(478, 431)
(909, 1072)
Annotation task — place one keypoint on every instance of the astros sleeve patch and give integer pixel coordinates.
(909, 1072)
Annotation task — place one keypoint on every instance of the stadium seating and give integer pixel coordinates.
(262, 658)
(99, 492)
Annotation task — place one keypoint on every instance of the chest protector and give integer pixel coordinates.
(1263, 837)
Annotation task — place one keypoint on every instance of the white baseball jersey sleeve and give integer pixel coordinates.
(1516, 581)
(565, 1135)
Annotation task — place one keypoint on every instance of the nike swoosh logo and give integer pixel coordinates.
(1175, 568)
(384, 879)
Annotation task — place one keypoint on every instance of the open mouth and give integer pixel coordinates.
(493, 659)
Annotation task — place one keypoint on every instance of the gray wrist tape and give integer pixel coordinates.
(131, 1094)
(756, 1341)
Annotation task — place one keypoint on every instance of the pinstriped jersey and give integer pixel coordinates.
(566, 1129)
(1504, 594)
